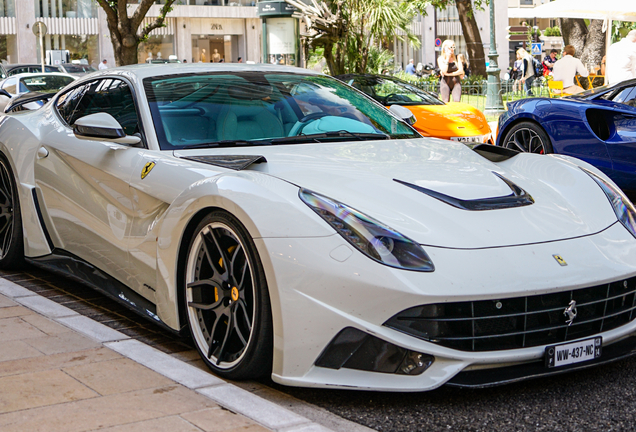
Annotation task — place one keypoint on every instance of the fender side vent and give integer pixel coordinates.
(599, 122)
(235, 162)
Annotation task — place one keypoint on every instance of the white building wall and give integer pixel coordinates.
(26, 40)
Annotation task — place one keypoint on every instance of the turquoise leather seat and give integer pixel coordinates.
(247, 121)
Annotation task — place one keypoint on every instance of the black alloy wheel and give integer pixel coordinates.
(227, 301)
(11, 241)
(528, 137)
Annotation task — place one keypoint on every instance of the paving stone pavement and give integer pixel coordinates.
(62, 371)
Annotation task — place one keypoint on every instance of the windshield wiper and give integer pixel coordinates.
(224, 143)
(329, 136)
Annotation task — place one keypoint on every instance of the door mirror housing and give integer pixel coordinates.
(403, 114)
(3, 92)
(103, 127)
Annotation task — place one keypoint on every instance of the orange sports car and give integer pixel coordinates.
(454, 121)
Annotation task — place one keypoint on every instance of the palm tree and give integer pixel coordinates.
(347, 29)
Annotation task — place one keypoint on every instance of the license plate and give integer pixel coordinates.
(573, 352)
(476, 139)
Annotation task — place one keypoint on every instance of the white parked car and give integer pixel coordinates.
(49, 82)
(297, 228)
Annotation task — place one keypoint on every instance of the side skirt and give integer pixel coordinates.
(68, 265)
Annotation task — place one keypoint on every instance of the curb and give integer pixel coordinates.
(227, 395)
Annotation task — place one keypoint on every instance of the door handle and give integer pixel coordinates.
(42, 153)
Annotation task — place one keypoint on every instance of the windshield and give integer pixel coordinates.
(256, 108)
(389, 91)
(44, 83)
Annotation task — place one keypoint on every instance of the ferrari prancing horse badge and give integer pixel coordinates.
(146, 170)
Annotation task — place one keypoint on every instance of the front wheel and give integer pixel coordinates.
(11, 240)
(227, 300)
(528, 137)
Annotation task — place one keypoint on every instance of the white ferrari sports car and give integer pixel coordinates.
(297, 228)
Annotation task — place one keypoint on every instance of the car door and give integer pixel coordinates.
(84, 183)
(622, 142)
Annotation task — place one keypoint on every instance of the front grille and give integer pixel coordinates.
(520, 322)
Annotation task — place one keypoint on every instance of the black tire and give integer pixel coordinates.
(528, 137)
(11, 239)
(228, 306)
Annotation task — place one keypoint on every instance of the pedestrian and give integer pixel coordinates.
(620, 63)
(103, 65)
(410, 68)
(517, 73)
(527, 70)
(462, 59)
(240, 59)
(185, 60)
(451, 72)
(549, 61)
(566, 68)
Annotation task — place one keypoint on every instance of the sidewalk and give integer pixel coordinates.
(60, 371)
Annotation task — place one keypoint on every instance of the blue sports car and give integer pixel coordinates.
(598, 126)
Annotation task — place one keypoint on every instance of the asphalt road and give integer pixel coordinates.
(596, 399)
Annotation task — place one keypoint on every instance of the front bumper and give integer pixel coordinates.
(319, 286)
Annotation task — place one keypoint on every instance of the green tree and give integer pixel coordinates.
(348, 29)
(125, 33)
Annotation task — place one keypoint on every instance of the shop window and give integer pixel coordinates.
(156, 47)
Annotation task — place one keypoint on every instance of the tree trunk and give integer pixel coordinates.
(473, 38)
(588, 41)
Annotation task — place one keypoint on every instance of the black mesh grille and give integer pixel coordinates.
(509, 323)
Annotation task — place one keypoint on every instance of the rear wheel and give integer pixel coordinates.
(227, 301)
(11, 240)
(528, 137)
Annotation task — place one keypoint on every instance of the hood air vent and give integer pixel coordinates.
(518, 198)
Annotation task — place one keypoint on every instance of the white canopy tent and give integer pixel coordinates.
(608, 10)
(616, 10)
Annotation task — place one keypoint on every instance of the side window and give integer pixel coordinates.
(111, 96)
(626, 96)
(10, 86)
(68, 103)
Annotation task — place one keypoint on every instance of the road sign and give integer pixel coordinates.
(39, 28)
(438, 42)
(517, 37)
(517, 29)
(537, 48)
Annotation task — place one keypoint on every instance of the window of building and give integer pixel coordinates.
(66, 8)
(7, 8)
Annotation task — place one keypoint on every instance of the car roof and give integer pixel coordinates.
(17, 65)
(149, 70)
(35, 74)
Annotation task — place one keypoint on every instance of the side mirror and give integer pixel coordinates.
(103, 127)
(3, 92)
(403, 114)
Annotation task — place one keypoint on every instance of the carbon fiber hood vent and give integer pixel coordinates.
(518, 197)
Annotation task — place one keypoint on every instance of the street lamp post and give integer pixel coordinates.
(494, 103)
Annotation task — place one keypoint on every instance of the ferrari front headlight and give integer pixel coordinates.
(623, 207)
(372, 238)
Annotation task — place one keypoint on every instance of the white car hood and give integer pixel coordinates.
(567, 202)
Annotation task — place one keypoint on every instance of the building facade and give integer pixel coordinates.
(195, 31)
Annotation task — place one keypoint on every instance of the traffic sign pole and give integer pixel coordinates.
(39, 29)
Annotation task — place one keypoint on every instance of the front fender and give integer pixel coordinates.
(266, 206)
